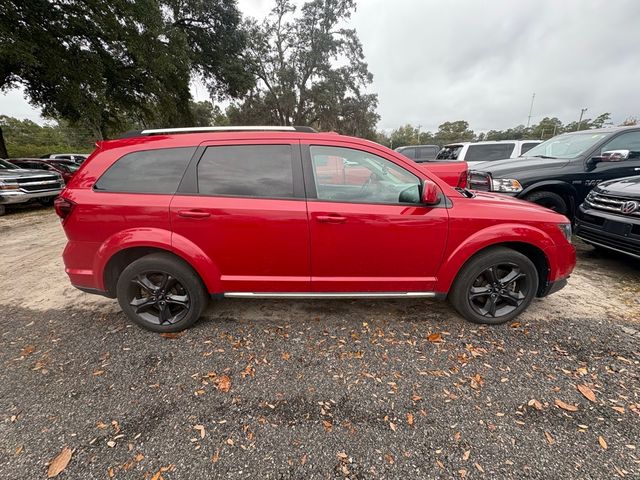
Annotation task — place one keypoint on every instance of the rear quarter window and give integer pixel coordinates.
(487, 153)
(527, 146)
(148, 171)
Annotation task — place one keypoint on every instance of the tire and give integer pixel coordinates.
(3, 210)
(551, 200)
(161, 293)
(509, 300)
(46, 201)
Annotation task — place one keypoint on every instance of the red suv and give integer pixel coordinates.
(165, 219)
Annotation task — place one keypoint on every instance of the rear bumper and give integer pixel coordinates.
(553, 287)
(13, 197)
(615, 232)
(95, 291)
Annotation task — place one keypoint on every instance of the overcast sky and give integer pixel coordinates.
(435, 61)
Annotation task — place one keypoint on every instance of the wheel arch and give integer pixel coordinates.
(567, 191)
(538, 247)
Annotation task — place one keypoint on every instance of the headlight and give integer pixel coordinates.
(565, 228)
(508, 185)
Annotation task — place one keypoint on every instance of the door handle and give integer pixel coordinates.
(331, 219)
(193, 214)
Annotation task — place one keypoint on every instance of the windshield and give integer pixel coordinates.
(4, 165)
(566, 145)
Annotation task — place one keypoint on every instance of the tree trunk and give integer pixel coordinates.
(3, 146)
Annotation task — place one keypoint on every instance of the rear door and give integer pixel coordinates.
(243, 205)
(374, 236)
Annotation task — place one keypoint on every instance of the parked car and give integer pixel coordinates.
(419, 153)
(475, 153)
(169, 218)
(610, 216)
(19, 185)
(559, 173)
(78, 158)
(64, 169)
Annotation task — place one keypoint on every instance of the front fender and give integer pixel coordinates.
(548, 183)
(488, 237)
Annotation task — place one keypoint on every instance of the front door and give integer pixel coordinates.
(372, 235)
(247, 213)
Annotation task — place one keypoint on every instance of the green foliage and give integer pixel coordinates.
(108, 65)
(310, 70)
(25, 138)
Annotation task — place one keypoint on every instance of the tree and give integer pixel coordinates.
(110, 64)
(450, 132)
(310, 70)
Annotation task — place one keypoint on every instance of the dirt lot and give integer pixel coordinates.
(315, 389)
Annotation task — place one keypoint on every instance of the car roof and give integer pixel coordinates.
(606, 130)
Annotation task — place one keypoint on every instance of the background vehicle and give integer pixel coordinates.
(559, 173)
(65, 169)
(75, 157)
(475, 153)
(332, 168)
(166, 218)
(610, 216)
(419, 153)
(22, 186)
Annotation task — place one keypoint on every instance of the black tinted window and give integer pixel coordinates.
(247, 171)
(450, 152)
(527, 146)
(150, 171)
(409, 152)
(426, 153)
(486, 153)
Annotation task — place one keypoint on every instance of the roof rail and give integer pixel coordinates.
(249, 128)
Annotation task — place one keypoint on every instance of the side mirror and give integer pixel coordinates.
(430, 193)
(615, 155)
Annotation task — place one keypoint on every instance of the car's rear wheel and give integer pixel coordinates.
(550, 200)
(495, 286)
(161, 293)
(3, 210)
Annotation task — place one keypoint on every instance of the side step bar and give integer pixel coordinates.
(331, 295)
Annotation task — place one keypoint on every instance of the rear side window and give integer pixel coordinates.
(450, 152)
(247, 171)
(426, 152)
(527, 146)
(149, 171)
(409, 153)
(487, 153)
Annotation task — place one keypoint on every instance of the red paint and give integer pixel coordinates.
(297, 245)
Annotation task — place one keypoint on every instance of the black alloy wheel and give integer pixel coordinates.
(159, 298)
(499, 290)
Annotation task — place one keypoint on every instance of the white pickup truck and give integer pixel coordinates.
(475, 153)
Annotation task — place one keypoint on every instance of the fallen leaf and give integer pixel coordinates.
(216, 456)
(535, 404)
(602, 443)
(515, 325)
(230, 442)
(549, 438)
(224, 383)
(97, 373)
(587, 393)
(389, 458)
(566, 406)
(327, 425)
(285, 356)
(28, 350)
(410, 418)
(158, 474)
(111, 443)
(435, 338)
(59, 463)
(342, 456)
(477, 382)
(618, 409)
(111, 472)
(172, 335)
(200, 429)
(392, 426)
(466, 454)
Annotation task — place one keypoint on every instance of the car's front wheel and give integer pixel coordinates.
(161, 293)
(495, 286)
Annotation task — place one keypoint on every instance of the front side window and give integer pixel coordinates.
(348, 175)
(627, 141)
(489, 152)
(247, 171)
(567, 145)
(148, 171)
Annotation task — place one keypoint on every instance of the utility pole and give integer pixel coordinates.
(580, 121)
(419, 127)
(533, 97)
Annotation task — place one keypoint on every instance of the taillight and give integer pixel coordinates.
(462, 181)
(63, 207)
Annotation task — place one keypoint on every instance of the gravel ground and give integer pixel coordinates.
(315, 389)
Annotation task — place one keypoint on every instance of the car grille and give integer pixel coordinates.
(37, 184)
(615, 205)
